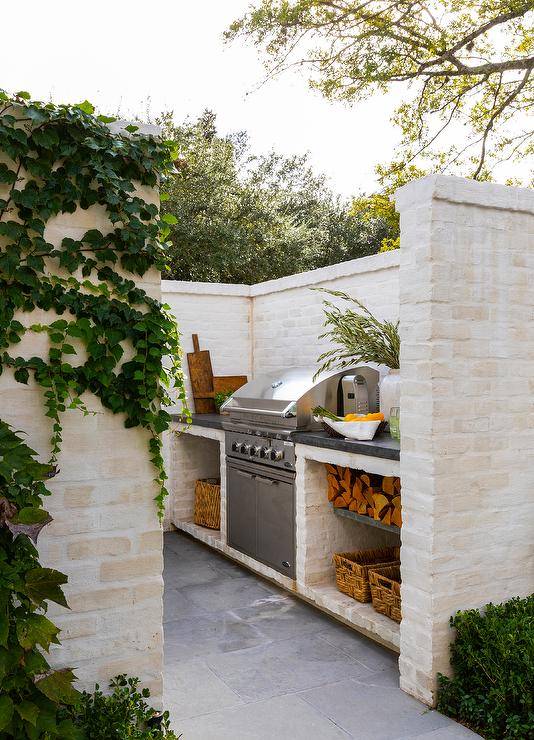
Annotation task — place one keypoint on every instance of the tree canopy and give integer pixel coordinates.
(467, 63)
(241, 218)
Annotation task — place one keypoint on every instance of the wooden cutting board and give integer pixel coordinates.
(222, 383)
(201, 377)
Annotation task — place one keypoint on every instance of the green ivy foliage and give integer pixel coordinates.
(55, 160)
(492, 689)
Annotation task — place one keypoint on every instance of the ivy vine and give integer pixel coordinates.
(56, 159)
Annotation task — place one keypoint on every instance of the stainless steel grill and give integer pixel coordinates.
(283, 400)
(260, 459)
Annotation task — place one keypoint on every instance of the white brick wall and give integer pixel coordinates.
(259, 328)
(221, 316)
(288, 315)
(467, 460)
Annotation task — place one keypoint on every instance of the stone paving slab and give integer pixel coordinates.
(280, 718)
(245, 660)
(385, 713)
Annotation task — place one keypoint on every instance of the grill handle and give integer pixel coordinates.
(288, 412)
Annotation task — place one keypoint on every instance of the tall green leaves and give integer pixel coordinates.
(360, 337)
(56, 160)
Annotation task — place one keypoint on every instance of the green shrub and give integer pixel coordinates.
(492, 689)
(123, 714)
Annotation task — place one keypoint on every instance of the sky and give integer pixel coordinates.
(120, 53)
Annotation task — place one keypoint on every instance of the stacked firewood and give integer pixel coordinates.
(368, 494)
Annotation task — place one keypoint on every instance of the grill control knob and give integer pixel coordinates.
(277, 455)
(245, 448)
(256, 450)
(236, 446)
(266, 452)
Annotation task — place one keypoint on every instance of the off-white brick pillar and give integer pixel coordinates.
(467, 408)
(105, 536)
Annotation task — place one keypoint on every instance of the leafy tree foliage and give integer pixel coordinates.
(235, 217)
(380, 206)
(468, 64)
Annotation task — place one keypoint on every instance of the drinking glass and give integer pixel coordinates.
(394, 422)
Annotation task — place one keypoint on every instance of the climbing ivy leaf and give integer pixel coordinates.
(35, 629)
(6, 711)
(28, 711)
(44, 584)
(29, 521)
(57, 686)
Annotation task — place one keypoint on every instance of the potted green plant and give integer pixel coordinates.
(220, 398)
(360, 338)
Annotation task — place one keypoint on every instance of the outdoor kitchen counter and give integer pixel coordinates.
(381, 446)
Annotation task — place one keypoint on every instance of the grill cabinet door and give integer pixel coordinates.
(276, 524)
(242, 509)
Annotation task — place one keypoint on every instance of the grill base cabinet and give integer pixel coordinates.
(261, 515)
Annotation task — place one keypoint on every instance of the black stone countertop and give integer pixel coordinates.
(381, 446)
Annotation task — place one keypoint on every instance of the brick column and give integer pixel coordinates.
(105, 535)
(467, 408)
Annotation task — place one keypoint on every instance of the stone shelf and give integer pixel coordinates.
(362, 617)
(365, 520)
(211, 537)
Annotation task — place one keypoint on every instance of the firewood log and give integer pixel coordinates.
(340, 503)
(380, 503)
(369, 497)
(333, 481)
(332, 493)
(396, 515)
(388, 485)
(357, 494)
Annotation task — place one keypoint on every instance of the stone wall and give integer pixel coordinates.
(288, 314)
(274, 324)
(467, 459)
(221, 316)
(105, 535)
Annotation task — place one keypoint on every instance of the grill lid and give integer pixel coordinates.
(288, 393)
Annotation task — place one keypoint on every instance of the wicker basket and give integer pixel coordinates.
(352, 569)
(385, 590)
(207, 511)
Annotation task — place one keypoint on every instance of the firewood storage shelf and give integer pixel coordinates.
(315, 578)
(365, 520)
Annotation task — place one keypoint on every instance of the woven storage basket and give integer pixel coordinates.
(352, 569)
(207, 512)
(385, 590)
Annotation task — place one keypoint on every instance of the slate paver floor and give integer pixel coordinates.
(244, 660)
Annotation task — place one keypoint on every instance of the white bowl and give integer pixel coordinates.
(361, 430)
